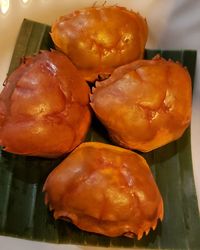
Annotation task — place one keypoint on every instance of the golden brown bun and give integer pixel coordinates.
(44, 107)
(105, 189)
(99, 39)
(145, 104)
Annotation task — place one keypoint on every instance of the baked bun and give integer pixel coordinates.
(99, 39)
(145, 104)
(44, 107)
(105, 189)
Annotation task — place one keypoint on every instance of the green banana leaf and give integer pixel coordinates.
(22, 210)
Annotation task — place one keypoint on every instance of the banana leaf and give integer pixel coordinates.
(22, 210)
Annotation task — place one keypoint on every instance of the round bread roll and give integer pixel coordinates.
(99, 39)
(44, 107)
(145, 104)
(105, 189)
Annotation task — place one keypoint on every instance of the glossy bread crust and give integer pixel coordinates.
(145, 104)
(44, 107)
(99, 39)
(105, 189)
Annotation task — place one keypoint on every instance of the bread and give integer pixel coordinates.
(44, 107)
(99, 39)
(146, 104)
(105, 189)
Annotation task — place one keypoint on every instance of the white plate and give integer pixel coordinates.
(172, 25)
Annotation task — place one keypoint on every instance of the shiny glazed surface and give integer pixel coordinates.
(99, 39)
(145, 104)
(44, 107)
(105, 189)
